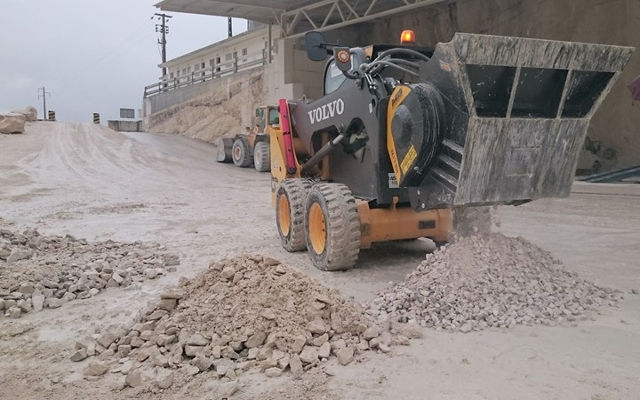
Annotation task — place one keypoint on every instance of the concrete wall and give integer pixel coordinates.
(617, 124)
(292, 75)
(278, 81)
(125, 126)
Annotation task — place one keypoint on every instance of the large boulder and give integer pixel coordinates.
(12, 123)
(30, 113)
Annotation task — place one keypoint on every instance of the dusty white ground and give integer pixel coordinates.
(98, 184)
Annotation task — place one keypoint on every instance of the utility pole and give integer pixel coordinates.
(42, 93)
(230, 25)
(163, 28)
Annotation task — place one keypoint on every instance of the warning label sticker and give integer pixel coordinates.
(409, 158)
(393, 182)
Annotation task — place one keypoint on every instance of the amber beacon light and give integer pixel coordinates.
(408, 37)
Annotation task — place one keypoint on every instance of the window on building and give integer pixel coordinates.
(202, 65)
(171, 75)
(244, 52)
(217, 60)
(211, 62)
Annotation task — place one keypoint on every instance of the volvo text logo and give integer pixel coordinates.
(326, 111)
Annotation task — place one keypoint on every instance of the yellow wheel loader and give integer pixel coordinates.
(405, 136)
(250, 148)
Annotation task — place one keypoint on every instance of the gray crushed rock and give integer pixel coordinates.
(43, 271)
(490, 280)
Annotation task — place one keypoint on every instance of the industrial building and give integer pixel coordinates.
(235, 54)
(212, 91)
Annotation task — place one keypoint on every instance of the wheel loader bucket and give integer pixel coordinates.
(517, 114)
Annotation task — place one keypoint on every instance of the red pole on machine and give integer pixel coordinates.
(285, 123)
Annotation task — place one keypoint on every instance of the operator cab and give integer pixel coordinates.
(267, 116)
(334, 76)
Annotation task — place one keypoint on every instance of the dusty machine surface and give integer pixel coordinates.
(250, 148)
(404, 136)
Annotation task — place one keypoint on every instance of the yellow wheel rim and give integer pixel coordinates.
(317, 229)
(284, 215)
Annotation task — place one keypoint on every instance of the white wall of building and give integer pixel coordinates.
(238, 53)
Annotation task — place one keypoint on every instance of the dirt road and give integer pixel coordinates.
(94, 183)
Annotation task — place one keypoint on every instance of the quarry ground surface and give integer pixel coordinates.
(96, 184)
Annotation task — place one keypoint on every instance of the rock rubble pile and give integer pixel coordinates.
(243, 313)
(490, 281)
(40, 271)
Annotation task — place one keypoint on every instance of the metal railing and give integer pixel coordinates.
(217, 71)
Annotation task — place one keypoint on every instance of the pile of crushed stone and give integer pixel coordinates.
(490, 281)
(243, 313)
(41, 271)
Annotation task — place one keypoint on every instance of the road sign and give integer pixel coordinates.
(127, 113)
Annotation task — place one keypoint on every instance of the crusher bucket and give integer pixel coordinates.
(515, 116)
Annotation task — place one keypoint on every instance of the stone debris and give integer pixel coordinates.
(264, 316)
(133, 379)
(95, 369)
(228, 389)
(30, 113)
(345, 355)
(40, 271)
(18, 254)
(14, 312)
(12, 123)
(79, 355)
(489, 281)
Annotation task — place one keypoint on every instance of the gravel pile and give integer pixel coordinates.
(39, 271)
(243, 313)
(490, 281)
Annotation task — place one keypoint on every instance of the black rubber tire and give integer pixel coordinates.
(224, 150)
(262, 157)
(342, 226)
(295, 191)
(241, 152)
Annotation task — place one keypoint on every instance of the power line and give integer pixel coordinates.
(42, 93)
(163, 28)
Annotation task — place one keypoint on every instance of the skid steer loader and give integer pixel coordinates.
(250, 148)
(405, 136)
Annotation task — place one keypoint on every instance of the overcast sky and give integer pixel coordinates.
(92, 56)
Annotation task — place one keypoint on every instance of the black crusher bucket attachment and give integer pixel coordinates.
(515, 119)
